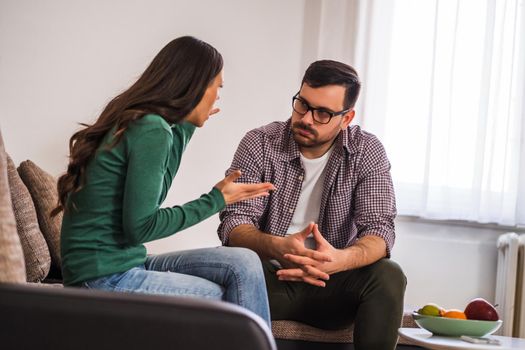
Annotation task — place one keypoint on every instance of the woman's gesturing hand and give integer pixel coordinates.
(236, 192)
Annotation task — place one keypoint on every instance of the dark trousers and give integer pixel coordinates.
(370, 297)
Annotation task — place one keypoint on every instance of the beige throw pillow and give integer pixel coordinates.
(36, 253)
(42, 187)
(12, 267)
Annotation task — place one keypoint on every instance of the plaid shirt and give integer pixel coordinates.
(358, 195)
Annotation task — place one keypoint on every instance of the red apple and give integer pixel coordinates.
(480, 309)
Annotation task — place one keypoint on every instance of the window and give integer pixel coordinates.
(443, 88)
(451, 106)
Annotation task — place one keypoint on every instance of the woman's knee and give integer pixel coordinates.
(247, 257)
(245, 262)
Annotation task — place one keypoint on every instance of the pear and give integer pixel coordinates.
(431, 309)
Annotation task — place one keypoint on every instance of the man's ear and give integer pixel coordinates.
(347, 119)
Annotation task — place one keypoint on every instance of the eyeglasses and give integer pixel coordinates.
(320, 115)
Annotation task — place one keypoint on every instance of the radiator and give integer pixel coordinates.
(510, 292)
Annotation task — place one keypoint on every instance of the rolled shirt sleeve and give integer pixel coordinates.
(375, 207)
(248, 160)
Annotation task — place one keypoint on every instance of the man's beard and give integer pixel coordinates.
(313, 140)
(300, 139)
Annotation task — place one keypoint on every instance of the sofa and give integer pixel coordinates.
(37, 312)
(32, 298)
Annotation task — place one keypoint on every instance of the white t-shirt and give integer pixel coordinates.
(309, 203)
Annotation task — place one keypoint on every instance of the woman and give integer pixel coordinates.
(119, 173)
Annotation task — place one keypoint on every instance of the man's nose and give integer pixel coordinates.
(308, 117)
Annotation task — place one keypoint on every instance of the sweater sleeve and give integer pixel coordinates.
(143, 219)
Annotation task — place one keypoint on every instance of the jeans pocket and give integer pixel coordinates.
(87, 285)
(105, 283)
(91, 284)
(111, 282)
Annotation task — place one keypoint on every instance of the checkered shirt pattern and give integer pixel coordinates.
(358, 195)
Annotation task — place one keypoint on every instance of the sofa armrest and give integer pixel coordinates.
(72, 318)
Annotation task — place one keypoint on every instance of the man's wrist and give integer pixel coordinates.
(366, 251)
(249, 236)
(272, 246)
(347, 259)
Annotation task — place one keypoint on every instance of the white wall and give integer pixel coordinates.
(448, 264)
(62, 61)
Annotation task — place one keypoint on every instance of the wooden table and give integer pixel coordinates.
(425, 339)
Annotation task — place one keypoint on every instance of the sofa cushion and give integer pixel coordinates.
(42, 187)
(36, 253)
(12, 267)
(292, 330)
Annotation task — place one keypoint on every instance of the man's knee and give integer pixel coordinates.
(389, 276)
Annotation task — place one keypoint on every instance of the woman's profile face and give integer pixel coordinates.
(200, 114)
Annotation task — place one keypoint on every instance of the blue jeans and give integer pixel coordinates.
(231, 274)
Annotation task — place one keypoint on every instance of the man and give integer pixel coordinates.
(326, 233)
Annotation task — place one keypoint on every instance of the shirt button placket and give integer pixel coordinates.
(300, 178)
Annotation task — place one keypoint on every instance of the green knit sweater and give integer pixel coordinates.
(118, 209)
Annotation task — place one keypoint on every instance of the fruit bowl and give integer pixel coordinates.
(453, 327)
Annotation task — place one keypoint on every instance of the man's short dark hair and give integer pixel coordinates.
(327, 72)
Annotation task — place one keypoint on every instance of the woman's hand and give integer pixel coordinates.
(236, 192)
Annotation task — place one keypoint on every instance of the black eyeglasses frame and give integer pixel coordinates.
(310, 108)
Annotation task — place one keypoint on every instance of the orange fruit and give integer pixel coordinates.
(454, 313)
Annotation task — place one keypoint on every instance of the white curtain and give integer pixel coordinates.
(443, 88)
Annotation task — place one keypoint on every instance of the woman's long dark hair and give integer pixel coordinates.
(172, 86)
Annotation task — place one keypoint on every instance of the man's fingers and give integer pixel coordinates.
(308, 280)
(304, 271)
(290, 273)
(298, 275)
(317, 234)
(319, 257)
(318, 237)
(315, 272)
(314, 282)
(307, 230)
(301, 260)
(314, 254)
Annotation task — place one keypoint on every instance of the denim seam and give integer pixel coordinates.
(228, 267)
(104, 283)
(199, 292)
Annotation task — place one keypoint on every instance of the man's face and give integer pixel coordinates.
(306, 131)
